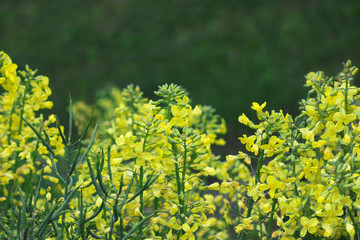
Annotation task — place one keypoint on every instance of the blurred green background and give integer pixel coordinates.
(225, 53)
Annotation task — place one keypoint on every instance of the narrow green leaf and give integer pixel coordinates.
(56, 230)
(126, 193)
(63, 137)
(81, 222)
(109, 165)
(96, 184)
(99, 176)
(70, 183)
(70, 119)
(90, 144)
(53, 163)
(93, 234)
(75, 161)
(47, 145)
(87, 127)
(96, 213)
(121, 184)
(102, 160)
(28, 185)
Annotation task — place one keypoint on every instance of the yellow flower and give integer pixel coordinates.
(331, 130)
(246, 225)
(253, 191)
(272, 146)
(243, 119)
(127, 139)
(197, 111)
(173, 209)
(309, 225)
(350, 229)
(180, 116)
(189, 231)
(251, 146)
(48, 196)
(172, 224)
(214, 186)
(258, 108)
(141, 156)
(343, 118)
(272, 185)
(307, 134)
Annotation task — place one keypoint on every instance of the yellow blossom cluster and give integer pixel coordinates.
(306, 181)
(23, 94)
(166, 142)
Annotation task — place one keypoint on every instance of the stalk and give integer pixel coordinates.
(183, 185)
(251, 202)
(271, 218)
(181, 188)
(66, 188)
(141, 177)
(346, 93)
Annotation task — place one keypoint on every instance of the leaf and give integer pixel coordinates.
(87, 127)
(63, 137)
(90, 144)
(47, 145)
(70, 119)
(96, 184)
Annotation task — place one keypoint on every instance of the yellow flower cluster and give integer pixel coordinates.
(166, 142)
(307, 175)
(23, 94)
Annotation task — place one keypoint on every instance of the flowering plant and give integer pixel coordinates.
(145, 168)
(309, 186)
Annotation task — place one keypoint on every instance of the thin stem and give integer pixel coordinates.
(183, 184)
(181, 189)
(22, 108)
(251, 202)
(68, 167)
(141, 177)
(271, 218)
(346, 93)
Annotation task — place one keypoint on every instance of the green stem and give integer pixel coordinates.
(182, 190)
(141, 199)
(23, 107)
(68, 167)
(141, 178)
(251, 202)
(346, 93)
(271, 217)
(183, 185)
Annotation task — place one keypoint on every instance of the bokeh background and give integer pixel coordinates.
(225, 53)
